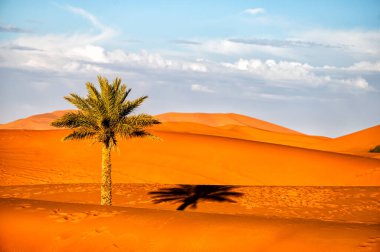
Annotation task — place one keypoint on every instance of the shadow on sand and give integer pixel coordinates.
(189, 195)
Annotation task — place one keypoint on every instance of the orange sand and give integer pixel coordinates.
(242, 132)
(38, 157)
(236, 126)
(78, 227)
(195, 149)
(328, 204)
(36, 122)
(358, 143)
(222, 120)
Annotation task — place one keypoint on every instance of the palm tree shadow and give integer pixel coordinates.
(190, 195)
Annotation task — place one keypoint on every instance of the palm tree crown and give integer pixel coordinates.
(104, 115)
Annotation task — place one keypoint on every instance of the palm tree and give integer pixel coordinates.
(189, 195)
(103, 116)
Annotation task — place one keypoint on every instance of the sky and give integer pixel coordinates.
(312, 66)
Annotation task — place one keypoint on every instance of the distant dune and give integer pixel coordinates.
(217, 119)
(42, 121)
(35, 122)
(236, 126)
(358, 143)
(242, 132)
(201, 149)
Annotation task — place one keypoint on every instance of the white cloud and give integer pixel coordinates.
(356, 83)
(315, 46)
(365, 66)
(353, 41)
(296, 74)
(231, 48)
(280, 43)
(81, 52)
(272, 70)
(59, 52)
(106, 32)
(154, 60)
(224, 47)
(201, 88)
(254, 11)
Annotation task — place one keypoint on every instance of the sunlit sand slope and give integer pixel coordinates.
(37, 157)
(35, 122)
(356, 143)
(242, 132)
(42, 121)
(228, 125)
(216, 120)
(79, 227)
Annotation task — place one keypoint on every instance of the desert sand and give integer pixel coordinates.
(35, 157)
(299, 192)
(32, 225)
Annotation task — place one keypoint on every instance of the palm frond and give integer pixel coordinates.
(123, 94)
(92, 92)
(74, 120)
(103, 114)
(141, 120)
(78, 101)
(140, 133)
(104, 86)
(133, 126)
(80, 134)
(116, 84)
(97, 106)
(130, 106)
(106, 90)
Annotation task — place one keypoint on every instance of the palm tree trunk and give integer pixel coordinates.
(106, 188)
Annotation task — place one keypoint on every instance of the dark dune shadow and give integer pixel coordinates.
(190, 195)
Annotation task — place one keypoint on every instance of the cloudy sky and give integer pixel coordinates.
(313, 66)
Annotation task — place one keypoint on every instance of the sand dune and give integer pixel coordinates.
(216, 120)
(35, 122)
(239, 127)
(227, 125)
(78, 227)
(358, 143)
(37, 157)
(46, 182)
(242, 132)
(42, 121)
(213, 149)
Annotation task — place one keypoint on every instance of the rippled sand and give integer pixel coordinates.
(338, 204)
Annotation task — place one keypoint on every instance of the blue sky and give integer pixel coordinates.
(313, 66)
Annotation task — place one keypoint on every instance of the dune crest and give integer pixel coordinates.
(35, 122)
(357, 143)
(42, 121)
(221, 119)
(38, 157)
